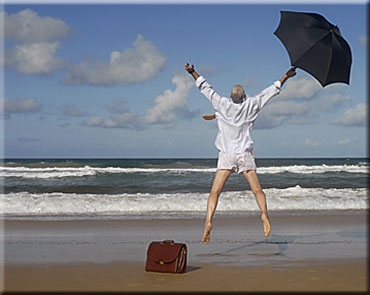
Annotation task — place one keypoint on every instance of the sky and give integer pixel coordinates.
(108, 81)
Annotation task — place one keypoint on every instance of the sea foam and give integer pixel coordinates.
(61, 172)
(293, 198)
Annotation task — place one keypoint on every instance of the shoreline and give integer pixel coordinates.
(174, 215)
(310, 252)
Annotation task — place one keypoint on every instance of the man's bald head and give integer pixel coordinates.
(237, 94)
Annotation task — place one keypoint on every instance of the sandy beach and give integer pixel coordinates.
(317, 251)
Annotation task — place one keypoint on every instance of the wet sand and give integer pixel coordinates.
(324, 251)
(309, 276)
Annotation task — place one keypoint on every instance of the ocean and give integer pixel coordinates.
(83, 189)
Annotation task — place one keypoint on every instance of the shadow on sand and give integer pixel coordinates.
(192, 268)
(282, 243)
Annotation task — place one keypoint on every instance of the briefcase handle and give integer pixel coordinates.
(168, 241)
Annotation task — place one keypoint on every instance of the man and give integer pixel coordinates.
(235, 119)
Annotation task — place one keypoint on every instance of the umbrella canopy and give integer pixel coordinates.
(315, 46)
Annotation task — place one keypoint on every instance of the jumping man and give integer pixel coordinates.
(235, 119)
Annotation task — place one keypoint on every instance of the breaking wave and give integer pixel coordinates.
(293, 198)
(61, 172)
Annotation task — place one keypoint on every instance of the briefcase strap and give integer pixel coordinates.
(181, 263)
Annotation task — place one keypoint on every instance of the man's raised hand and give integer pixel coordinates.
(191, 71)
(189, 68)
(291, 72)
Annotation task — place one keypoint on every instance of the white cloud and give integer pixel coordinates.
(276, 113)
(344, 141)
(172, 102)
(132, 65)
(286, 108)
(125, 121)
(36, 42)
(19, 106)
(301, 102)
(354, 117)
(34, 58)
(300, 121)
(310, 142)
(303, 88)
(268, 121)
(95, 121)
(334, 100)
(28, 140)
(27, 26)
(327, 103)
(73, 111)
(120, 117)
(292, 104)
(363, 39)
(169, 106)
(117, 107)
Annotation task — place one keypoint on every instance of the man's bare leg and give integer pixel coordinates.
(255, 185)
(218, 183)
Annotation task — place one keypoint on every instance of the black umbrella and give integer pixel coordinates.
(315, 46)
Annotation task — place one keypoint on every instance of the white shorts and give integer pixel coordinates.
(236, 162)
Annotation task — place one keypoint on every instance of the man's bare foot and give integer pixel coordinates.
(266, 224)
(207, 233)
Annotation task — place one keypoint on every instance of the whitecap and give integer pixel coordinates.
(292, 198)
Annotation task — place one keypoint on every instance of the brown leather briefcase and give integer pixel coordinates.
(166, 256)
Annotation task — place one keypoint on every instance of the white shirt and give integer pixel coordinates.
(235, 121)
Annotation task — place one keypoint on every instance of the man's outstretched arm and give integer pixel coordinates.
(205, 88)
(195, 75)
(268, 93)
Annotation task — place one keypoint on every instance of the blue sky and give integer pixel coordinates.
(108, 81)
